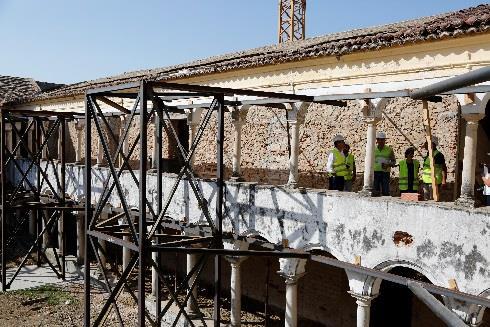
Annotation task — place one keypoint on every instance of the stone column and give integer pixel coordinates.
(238, 117)
(125, 145)
(372, 110)
(469, 160)
(236, 289)
(292, 270)
(363, 309)
(29, 135)
(191, 307)
(155, 145)
(8, 136)
(296, 113)
(46, 237)
(103, 245)
(80, 236)
(60, 137)
(154, 273)
(472, 110)
(18, 127)
(100, 154)
(44, 152)
(126, 253)
(32, 222)
(193, 121)
(79, 127)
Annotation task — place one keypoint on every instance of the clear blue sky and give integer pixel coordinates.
(70, 41)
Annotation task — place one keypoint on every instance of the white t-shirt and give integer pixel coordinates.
(486, 173)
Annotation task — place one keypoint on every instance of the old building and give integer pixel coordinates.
(269, 148)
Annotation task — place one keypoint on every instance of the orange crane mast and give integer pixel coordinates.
(291, 20)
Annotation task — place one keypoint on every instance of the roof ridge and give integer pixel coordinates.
(466, 21)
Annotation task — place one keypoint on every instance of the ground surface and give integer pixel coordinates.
(62, 305)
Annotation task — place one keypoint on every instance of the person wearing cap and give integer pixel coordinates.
(486, 183)
(440, 169)
(336, 165)
(408, 180)
(384, 159)
(351, 169)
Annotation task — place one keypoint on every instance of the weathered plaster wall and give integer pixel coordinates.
(442, 242)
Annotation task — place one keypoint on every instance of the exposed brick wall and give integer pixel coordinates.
(265, 141)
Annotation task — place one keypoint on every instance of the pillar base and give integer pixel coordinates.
(366, 192)
(236, 179)
(466, 202)
(292, 185)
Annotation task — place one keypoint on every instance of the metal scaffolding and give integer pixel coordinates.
(145, 225)
(147, 234)
(23, 202)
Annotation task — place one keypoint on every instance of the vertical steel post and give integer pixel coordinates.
(88, 207)
(158, 158)
(142, 203)
(39, 212)
(220, 138)
(4, 198)
(62, 195)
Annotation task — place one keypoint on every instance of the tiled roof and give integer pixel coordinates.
(12, 88)
(468, 21)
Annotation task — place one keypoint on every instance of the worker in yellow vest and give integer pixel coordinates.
(439, 167)
(351, 169)
(408, 181)
(384, 159)
(336, 165)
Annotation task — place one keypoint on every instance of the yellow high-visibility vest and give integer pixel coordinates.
(349, 160)
(339, 163)
(383, 155)
(437, 170)
(403, 178)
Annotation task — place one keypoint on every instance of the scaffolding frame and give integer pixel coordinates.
(24, 195)
(147, 234)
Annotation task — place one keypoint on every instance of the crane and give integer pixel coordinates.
(291, 20)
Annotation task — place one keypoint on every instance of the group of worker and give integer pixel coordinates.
(341, 168)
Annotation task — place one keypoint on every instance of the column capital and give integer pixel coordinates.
(473, 105)
(292, 269)
(296, 112)
(372, 109)
(193, 116)
(239, 114)
(362, 300)
(235, 261)
(80, 124)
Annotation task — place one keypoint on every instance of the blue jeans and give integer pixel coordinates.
(382, 183)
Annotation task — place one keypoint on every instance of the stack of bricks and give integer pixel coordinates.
(411, 196)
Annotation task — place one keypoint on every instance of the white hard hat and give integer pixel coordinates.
(380, 135)
(435, 140)
(337, 138)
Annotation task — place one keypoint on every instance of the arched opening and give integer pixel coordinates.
(397, 306)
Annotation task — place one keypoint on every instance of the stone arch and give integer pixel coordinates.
(252, 233)
(324, 248)
(374, 284)
(395, 303)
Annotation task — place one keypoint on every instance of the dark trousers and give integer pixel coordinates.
(382, 183)
(487, 200)
(336, 183)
